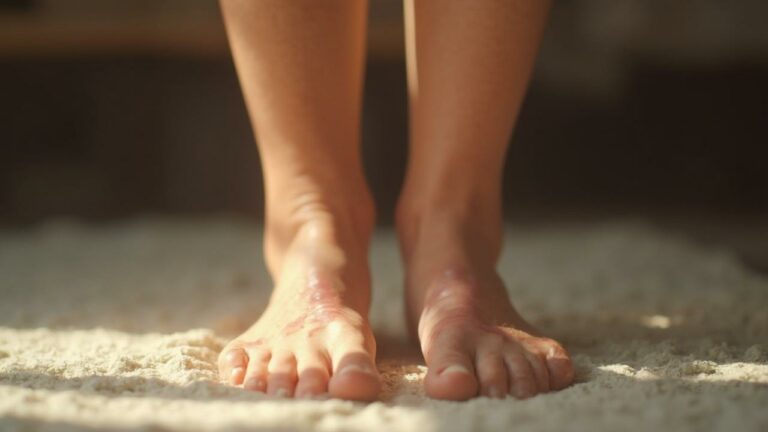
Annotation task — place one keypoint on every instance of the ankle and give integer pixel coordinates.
(339, 220)
(440, 220)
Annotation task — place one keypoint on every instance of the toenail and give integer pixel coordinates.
(281, 393)
(355, 368)
(555, 353)
(455, 369)
(236, 372)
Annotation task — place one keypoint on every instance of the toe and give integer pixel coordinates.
(492, 374)
(354, 374)
(522, 382)
(282, 374)
(559, 365)
(313, 373)
(232, 365)
(258, 370)
(539, 368)
(450, 373)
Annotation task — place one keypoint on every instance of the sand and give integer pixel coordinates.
(118, 327)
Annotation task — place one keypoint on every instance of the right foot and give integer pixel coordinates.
(314, 339)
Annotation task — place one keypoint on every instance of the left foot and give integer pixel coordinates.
(474, 341)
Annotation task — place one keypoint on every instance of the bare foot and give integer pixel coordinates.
(314, 338)
(473, 340)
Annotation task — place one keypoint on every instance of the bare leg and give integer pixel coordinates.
(468, 67)
(300, 65)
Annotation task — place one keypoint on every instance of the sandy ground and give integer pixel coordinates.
(118, 327)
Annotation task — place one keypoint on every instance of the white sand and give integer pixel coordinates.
(118, 328)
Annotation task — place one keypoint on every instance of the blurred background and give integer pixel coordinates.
(116, 108)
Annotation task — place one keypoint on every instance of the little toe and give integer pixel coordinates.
(232, 365)
(492, 374)
(313, 374)
(559, 366)
(450, 375)
(281, 381)
(354, 375)
(258, 370)
(522, 383)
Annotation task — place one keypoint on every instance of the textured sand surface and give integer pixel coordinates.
(118, 327)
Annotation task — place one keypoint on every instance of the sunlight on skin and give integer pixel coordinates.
(468, 65)
(300, 67)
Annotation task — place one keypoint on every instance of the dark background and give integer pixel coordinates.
(111, 109)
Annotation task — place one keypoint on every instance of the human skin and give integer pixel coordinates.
(300, 65)
(469, 63)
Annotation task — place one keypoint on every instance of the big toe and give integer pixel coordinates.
(450, 376)
(355, 377)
